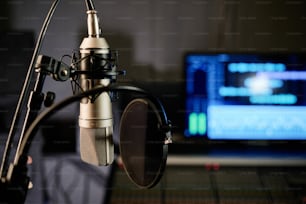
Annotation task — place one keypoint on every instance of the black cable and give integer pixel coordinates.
(109, 183)
(89, 5)
(50, 111)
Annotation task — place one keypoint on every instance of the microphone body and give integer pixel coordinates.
(96, 118)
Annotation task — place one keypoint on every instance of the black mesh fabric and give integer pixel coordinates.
(142, 143)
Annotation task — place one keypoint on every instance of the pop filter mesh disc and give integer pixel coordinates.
(142, 143)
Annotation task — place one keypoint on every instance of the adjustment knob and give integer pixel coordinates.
(49, 99)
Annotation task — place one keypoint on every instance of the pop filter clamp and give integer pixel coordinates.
(13, 174)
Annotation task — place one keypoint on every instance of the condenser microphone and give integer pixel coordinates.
(95, 119)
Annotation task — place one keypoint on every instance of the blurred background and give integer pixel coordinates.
(152, 38)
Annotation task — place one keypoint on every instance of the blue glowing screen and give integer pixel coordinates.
(246, 96)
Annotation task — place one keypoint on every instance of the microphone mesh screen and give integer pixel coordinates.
(142, 143)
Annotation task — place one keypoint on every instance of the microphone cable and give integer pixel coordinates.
(89, 5)
(48, 112)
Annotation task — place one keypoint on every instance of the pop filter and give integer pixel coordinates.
(144, 137)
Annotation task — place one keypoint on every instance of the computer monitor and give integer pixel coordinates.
(245, 97)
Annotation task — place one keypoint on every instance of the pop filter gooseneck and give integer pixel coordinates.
(152, 129)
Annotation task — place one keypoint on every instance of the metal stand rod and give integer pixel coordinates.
(13, 188)
(25, 92)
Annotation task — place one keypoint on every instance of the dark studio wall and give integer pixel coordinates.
(152, 36)
(4, 19)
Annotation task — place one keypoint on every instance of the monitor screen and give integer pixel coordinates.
(245, 96)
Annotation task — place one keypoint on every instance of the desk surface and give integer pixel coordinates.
(201, 160)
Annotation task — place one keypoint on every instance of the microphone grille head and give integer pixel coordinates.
(96, 145)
